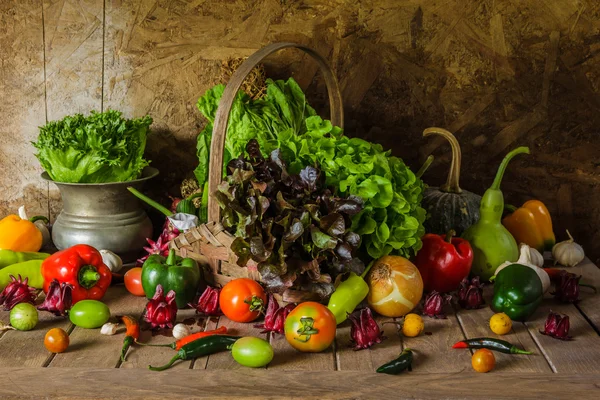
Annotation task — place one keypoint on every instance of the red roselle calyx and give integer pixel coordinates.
(364, 332)
(58, 299)
(567, 287)
(557, 326)
(470, 294)
(17, 291)
(208, 304)
(275, 316)
(159, 247)
(161, 310)
(434, 304)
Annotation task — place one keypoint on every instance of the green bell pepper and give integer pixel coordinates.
(518, 292)
(181, 275)
(9, 257)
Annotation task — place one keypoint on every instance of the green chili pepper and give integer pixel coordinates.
(198, 348)
(491, 344)
(492, 243)
(398, 365)
(31, 269)
(348, 295)
(9, 257)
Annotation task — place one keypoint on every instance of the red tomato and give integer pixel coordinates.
(242, 299)
(56, 340)
(133, 281)
(310, 327)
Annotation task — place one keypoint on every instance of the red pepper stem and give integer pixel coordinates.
(172, 258)
(166, 366)
(127, 342)
(451, 233)
(88, 276)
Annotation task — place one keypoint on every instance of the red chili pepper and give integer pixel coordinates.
(190, 338)
(131, 335)
(80, 266)
(444, 261)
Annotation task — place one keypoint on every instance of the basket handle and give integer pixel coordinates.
(217, 146)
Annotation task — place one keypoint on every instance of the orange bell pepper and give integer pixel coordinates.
(531, 224)
(18, 234)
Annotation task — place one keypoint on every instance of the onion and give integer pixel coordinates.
(395, 286)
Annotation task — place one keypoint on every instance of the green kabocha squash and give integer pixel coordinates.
(449, 207)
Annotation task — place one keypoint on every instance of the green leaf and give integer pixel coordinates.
(322, 240)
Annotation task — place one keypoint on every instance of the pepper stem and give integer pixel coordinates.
(424, 167)
(510, 208)
(451, 233)
(516, 350)
(88, 276)
(150, 202)
(504, 164)
(127, 342)
(366, 271)
(171, 258)
(451, 185)
(39, 218)
(166, 366)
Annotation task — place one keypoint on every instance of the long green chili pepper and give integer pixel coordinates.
(198, 348)
(348, 295)
(491, 344)
(398, 365)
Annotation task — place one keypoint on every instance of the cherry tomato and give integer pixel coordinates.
(483, 360)
(310, 327)
(242, 299)
(56, 340)
(133, 281)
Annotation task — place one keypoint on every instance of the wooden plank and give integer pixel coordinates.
(74, 383)
(348, 359)
(433, 351)
(201, 362)
(590, 302)
(475, 323)
(224, 360)
(89, 348)
(580, 355)
(289, 359)
(23, 106)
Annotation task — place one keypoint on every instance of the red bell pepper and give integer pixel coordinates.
(80, 266)
(444, 261)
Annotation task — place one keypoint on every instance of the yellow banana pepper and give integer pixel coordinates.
(531, 224)
(18, 234)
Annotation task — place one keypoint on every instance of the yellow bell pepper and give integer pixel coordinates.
(18, 234)
(531, 224)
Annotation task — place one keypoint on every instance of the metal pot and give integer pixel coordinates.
(103, 215)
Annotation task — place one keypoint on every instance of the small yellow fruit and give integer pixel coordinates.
(413, 325)
(500, 324)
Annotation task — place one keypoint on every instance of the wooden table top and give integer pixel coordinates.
(91, 367)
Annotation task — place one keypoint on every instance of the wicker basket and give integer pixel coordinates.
(209, 243)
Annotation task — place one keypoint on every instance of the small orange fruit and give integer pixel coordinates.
(56, 340)
(483, 360)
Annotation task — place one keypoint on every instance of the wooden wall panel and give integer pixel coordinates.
(22, 107)
(497, 73)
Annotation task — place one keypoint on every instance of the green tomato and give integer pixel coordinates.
(24, 317)
(89, 314)
(252, 352)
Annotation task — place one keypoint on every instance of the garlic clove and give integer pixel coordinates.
(111, 260)
(109, 328)
(180, 331)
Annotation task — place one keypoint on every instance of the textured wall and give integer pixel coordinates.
(497, 73)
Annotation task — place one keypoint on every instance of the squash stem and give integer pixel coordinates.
(504, 164)
(451, 185)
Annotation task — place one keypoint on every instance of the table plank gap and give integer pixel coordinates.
(589, 305)
(211, 324)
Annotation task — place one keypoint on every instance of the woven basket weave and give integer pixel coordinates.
(209, 244)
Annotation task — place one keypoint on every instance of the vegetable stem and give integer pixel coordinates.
(504, 164)
(166, 366)
(424, 167)
(451, 185)
(366, 271)
(150, 202)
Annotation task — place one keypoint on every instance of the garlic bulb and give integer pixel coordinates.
(109, 328)
(111, 260)
(536, 257)
(568, 253)
(180, 331)
(525, 253)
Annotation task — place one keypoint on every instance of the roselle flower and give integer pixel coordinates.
(470, 294)
(557, 326)
(161, 246)
(567, 287)
(434, 304)
(364, 331)
(17, 291)
(161, 310)
(275, 316)
(59, 298)
(208, 303)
